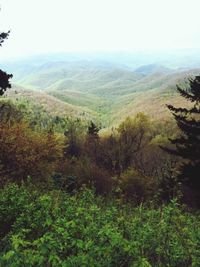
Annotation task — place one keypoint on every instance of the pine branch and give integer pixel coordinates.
(176, 110)
(169, 150)
(188, 130)
(3, 36)
(185, 94)
(195, 109)
(182, 140)
(190, 152)
(195, 88)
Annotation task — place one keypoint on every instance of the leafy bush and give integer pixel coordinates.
(55, 229)
(136, 186)
(85, 172)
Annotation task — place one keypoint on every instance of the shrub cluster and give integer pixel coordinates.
(125, 160)
(55, 229)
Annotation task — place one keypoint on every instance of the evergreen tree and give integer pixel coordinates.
(93, 130)
(187, 145)
(4, 77)
(92, 141)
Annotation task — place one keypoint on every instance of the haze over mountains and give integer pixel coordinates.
(104, 86)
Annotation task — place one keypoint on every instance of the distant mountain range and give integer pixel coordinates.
(99, 89)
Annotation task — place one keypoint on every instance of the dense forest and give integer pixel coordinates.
(75, 193)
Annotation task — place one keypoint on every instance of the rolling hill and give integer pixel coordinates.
(50, 104)
(97, 89)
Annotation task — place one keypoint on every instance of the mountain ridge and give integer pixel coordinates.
(96, 89)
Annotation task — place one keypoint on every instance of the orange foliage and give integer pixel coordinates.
(25, 152)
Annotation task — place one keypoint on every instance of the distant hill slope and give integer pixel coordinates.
(77, 76)
(100, 90)
(51, 104)
(151, 96)
(152, 68)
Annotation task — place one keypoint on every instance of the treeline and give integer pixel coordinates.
(69, 153)
(126, 160)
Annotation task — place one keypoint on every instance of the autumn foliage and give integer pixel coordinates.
(25, 152)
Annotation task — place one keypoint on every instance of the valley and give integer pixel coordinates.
(100, 90)
(99, 133)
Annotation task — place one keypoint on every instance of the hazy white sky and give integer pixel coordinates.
(39, 26)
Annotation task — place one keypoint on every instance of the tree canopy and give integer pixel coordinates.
(4, 77)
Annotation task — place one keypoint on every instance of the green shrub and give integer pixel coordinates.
(136, 186)
(56, 229)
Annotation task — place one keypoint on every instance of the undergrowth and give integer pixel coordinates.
(57, 229)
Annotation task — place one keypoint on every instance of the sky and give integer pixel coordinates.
(45, 26)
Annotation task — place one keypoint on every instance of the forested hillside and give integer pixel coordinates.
(95, 169)
(104, 91)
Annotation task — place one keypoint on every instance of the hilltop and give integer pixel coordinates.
(100, 88)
